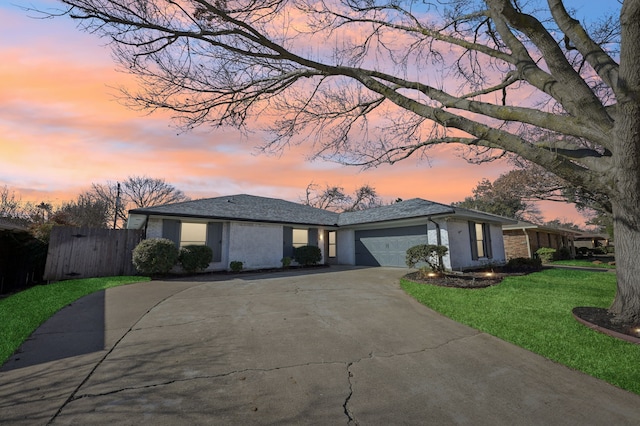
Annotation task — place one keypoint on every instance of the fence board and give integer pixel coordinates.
(90, 252)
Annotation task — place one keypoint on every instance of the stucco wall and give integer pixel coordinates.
(346, 247)
(255, 245)
(460, 246)
(432, 237)
(154, 228)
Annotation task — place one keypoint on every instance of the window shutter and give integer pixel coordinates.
(312, 237)
(171, 230)
(287, 241)
(473, 241)
(214, 240)
(487, 240)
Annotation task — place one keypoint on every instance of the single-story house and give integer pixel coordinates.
(523, 239)
(260, 232)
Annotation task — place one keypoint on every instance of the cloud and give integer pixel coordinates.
(61, 129)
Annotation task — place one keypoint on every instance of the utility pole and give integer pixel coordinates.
(115, 214)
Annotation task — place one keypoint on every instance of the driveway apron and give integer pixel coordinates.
(334, 346)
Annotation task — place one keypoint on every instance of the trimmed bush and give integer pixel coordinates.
(155, 256)
(286, 262)
(562, 254)
(427, 253)
(546, 254)
(523, 264)
(307, 255)
(236, 266)
(194, 258)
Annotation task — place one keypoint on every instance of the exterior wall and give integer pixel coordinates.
(497, 245)
(432, 238)
(255, 245)
(515, 243)
(460, 246)
(346, 247)
(154, 228)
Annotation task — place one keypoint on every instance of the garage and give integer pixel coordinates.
(387, 247)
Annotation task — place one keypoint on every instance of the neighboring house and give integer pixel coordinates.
(8, 225)
(592, 241)
(260, 231)
(523, 239)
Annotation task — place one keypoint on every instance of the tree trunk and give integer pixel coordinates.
(626, 163)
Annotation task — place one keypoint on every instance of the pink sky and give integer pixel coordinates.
(61, 130)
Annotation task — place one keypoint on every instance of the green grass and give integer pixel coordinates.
(22, 313)
(534, 312)
(583, 263)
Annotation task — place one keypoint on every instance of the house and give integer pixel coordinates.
(523, 239)
(261, 231)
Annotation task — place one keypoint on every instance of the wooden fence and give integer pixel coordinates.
(90, 252)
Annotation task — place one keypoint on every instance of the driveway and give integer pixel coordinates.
(338, 346)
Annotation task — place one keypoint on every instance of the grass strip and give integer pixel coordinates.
(22, 313)
(534, 312)
(583, 263)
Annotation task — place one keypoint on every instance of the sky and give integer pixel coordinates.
(62, 129)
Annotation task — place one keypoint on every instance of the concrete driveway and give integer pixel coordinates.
(337, 346)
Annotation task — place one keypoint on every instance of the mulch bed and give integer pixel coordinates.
(601, 320)
(466, 280)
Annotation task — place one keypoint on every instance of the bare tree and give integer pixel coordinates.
(9, 204)
(134, 192)
(335, 199)
(379, 81)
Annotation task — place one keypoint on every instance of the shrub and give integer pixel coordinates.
(427, 253)
(523, 264)
(563, 254)
(194, 258)
(236, 266)
(546, 254)
(307, 255)
(155, 256)
(286, 262)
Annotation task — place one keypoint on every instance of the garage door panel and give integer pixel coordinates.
(387, 247)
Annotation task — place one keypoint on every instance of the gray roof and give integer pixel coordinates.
(246, 207)
(416, 207)
(9, 225)
(262, 209)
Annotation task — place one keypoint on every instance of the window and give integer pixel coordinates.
(480, 234)
(300, 237)
(480, 239)
(332, 243)
(193, 234)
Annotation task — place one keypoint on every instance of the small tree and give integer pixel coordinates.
(307, 255)
(194, 258)
(428, 253)
(155, 256)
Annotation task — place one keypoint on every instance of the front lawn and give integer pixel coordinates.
(22, 313)
(534, 312)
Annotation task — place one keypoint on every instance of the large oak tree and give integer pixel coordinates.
(373, 81)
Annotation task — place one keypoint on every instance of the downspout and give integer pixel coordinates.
(526, 237)
(146, 223)
(438, 239)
